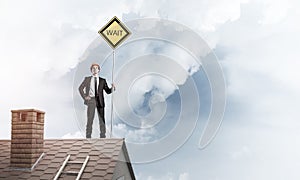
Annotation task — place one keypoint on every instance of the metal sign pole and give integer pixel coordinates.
(112, 95)
(114, 33)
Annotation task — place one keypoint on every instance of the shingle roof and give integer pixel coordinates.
(103, 153)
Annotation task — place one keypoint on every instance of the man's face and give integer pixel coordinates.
(95, 70)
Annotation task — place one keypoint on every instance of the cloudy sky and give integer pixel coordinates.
(47, 46)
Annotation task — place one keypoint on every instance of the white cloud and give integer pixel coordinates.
(134, 135)
(76, 135)
(166, 176)
(274, 11)
(261, 67)
(203, 15)
(244, 151)
(184, 176)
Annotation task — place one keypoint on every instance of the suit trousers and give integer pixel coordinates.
(92, 105)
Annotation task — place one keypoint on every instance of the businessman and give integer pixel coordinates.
(91, 90)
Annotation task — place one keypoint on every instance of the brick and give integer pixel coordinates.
(15, 119)
(40, 115)
(31, 113)
(16, 126)
(23, 160)
(40, 120)
(20, 165)
(33, 124)
(22, 156)
(27, 136)
(15, 114)
(28, 118)
(26, 141)
(25, 151)
(27, 146)
(27, 131)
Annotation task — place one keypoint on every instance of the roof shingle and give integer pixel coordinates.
(104, 154)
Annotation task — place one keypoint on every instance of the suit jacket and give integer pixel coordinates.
(84, 90)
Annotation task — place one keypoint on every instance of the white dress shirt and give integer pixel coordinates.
(92, 85)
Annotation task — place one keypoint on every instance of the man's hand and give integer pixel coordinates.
(113, 86)
(87, 98)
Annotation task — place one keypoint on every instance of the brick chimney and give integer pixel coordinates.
(27, 137)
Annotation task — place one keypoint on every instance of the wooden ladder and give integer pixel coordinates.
(74, 173)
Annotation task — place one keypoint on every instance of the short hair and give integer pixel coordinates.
(94, 64)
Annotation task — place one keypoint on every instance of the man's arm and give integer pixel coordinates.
(106, 88)
(82, 87)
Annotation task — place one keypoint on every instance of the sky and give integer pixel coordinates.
(49, 45)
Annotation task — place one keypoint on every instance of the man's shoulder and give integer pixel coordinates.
(103, 79)
(86, 79)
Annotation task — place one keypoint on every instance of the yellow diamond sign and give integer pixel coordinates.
(114, 32)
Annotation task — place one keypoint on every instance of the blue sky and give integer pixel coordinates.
(45, 45)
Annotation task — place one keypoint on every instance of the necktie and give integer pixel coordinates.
(95, 80)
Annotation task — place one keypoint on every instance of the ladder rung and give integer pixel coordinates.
(75, 162)
(71, 173)
(82, 168)
(62, 167)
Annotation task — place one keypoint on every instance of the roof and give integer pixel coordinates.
(103, 153)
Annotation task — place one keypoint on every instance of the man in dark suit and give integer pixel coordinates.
(91, 90)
